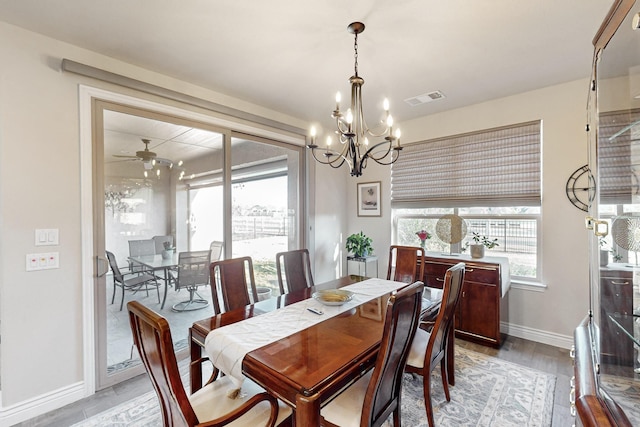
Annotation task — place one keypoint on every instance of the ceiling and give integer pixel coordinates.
(292, 56)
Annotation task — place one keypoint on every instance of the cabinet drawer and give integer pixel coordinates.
(489, 275)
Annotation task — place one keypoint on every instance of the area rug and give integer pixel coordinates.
(488, 392)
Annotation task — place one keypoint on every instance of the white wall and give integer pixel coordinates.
(41, 312)
(552, 314)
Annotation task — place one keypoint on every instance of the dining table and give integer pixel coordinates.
(156, 263)
(299, 356)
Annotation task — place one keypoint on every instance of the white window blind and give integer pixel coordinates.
(493, 167)
(618, 156)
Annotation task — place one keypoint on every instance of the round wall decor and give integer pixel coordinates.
(581, 188)
(451, 228)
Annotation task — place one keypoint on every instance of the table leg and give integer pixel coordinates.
(195, 369)
(166, 288)
(307, 411)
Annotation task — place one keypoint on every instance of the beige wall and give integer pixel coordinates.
(546, 315)
(41, 313)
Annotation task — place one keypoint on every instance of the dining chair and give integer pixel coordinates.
(430, 348)
(208, 406)
(141, 247)
(403, 263)
(376, 395)
(192, 272)
(216, 250)
(159, 242)
(136, 283)
(296, 266)
(235, 281)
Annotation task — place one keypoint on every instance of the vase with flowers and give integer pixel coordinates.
(423, 235)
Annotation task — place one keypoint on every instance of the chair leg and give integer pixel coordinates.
(426, 381)
(122, 300)
(113, 296)
(445, 379)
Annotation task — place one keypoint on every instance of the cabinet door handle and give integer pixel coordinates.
(462, 294)
(613, 282)
(468, 270)
(439, 279)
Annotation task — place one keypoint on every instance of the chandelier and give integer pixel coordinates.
(354, 147)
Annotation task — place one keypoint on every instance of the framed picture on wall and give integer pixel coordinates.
(369, 199)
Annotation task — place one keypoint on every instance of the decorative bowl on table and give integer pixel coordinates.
(333, 296)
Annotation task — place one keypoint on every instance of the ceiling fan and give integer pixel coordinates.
(148, 157)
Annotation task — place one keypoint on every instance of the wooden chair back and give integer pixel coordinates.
(406, 264)
(296, 266)
(430, 348)
(234, 279)
(152, 337)
(444, 321)
(400, 324)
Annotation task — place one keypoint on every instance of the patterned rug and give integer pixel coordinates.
(488, 392)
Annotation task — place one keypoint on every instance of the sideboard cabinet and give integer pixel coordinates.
(478, 314)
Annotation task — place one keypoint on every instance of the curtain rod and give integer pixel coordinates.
(117, 79)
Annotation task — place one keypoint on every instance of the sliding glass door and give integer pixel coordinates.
(159, 175)
(265, 203)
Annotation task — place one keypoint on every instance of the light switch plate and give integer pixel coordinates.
(47, 236)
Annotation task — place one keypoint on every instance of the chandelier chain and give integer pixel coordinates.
(355, 54)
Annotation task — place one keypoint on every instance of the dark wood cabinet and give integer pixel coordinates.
(478, 314)
(616, 316)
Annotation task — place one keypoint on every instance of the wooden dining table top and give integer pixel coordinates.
(309, 366)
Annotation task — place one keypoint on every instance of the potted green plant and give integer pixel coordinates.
(479, 244)
(359, 245)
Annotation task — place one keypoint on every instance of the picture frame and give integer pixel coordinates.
(369, 199)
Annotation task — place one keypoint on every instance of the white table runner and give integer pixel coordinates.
(227, 346)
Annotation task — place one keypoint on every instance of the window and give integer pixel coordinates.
(491, 178)
(515, 228)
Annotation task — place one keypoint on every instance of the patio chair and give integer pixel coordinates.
(136, 283)
(296, 266)
(376, 395)
(192, 272)
(234, 277)
(430, 348)
(152, 337)
(216, 250)
(141, 247)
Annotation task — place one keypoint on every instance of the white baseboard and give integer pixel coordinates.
(537, 335)
(42, 404)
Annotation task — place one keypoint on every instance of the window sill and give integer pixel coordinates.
(528, 286)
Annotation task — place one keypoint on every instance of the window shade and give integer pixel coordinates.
(494, 167)
(618, 156)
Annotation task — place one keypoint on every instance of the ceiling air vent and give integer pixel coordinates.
(424, 98)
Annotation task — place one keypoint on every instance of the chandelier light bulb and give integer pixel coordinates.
(180, 163)
(146, 175)
(398, 133)
(353, 146)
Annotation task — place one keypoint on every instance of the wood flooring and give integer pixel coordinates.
(543, 357)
